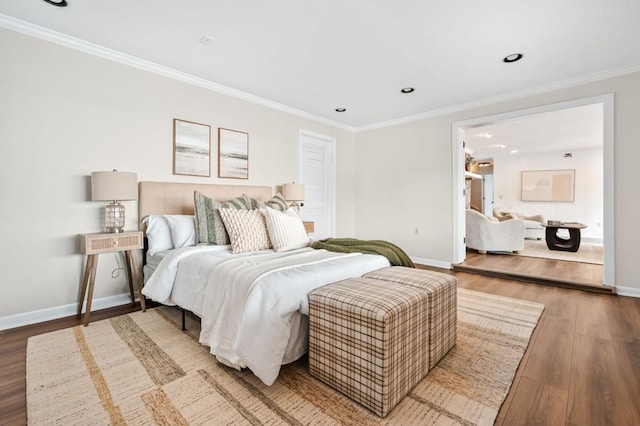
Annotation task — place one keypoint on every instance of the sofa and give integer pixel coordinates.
(533, 223)
(489, 234)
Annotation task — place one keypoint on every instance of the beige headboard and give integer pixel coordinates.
(177, 198)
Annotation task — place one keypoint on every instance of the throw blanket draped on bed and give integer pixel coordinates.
(396, 256)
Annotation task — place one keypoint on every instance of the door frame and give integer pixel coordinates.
(457, 138)
(331, 180)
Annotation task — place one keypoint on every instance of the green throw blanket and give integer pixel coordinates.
(396, 256)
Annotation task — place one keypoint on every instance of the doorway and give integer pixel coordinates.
(317, 173)
(458, 136)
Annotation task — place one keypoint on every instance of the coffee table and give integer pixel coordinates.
(555, 242)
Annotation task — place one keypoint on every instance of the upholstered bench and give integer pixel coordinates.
(442, 290)
(369, 339)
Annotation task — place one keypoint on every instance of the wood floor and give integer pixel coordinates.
(547, 269)
(582, 366)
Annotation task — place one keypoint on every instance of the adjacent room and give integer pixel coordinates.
(502, 157)
(358, 212)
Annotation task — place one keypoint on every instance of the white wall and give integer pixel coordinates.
(64, 114)
(405, 176)
(588, 206)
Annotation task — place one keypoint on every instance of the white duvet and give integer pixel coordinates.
(252, 302)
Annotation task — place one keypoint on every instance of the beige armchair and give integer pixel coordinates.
(488, 234)
(533, 223)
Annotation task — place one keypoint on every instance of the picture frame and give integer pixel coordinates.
(548, 185)
(233, 154)
(191, 148)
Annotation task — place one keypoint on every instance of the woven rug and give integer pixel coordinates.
(587, 253)
(141, 369)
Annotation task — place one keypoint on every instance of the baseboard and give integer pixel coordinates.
(48, 314)
(628, 291)
(429, 262)
(592, 240)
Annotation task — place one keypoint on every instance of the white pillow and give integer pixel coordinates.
(158, 234)
(183, 229)
(247, 230)
(286, 230)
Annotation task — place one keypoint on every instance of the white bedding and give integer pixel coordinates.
(251, 304)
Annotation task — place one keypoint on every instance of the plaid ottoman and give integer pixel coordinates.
(442, 290)
(369, 339)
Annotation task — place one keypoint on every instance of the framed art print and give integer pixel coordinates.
(233, 154)
(191, 148)
(549, 185)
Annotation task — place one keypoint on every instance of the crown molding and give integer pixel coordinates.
(37, 31)
(603, 75)
(123, 58)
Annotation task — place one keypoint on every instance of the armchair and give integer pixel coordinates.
(488, 234)
(533, 223)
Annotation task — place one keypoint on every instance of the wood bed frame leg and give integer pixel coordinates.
(184, 325)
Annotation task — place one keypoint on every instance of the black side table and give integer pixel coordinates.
(555, 242)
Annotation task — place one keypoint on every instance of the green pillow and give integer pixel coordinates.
(277, 202)
(209, 226)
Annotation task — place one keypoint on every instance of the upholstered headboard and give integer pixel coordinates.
(177, 198)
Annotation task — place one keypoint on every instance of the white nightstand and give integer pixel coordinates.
(94, 244)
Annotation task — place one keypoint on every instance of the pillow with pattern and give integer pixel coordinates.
(247, 229)
(277, 202)
(286, 230)
(209, 226)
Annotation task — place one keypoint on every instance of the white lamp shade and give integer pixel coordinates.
(112, 186)
(293, 191)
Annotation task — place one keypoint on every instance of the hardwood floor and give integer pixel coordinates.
(582, 366)
(558, 271)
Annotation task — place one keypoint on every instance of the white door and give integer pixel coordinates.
(487, 195)
(317, 172)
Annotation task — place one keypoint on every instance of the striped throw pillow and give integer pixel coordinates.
(277, 202)
(209, 226)
(286, 230)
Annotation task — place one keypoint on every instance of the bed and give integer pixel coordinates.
(253, 306)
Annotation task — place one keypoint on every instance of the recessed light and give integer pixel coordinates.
(205, 39)
(341, 109)
(407, 90)
(512, 58)
(59, 3)
(514, 151)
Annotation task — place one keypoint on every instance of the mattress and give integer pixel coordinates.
(152, 262)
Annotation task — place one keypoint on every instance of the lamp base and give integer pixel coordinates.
(114, 218)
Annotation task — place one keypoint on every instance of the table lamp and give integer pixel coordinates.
(293, 192)
(114, 186)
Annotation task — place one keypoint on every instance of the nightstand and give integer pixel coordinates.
(308, 226)
(94, 244)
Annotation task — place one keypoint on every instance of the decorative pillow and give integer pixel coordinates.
(242, 202)
(247, 230)
(286, 230)
(183, 230)
(253, 203)
(158, 234)
(277, 202)
(209, 225)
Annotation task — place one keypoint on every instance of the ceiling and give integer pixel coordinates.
(316, 56)
(563, 130)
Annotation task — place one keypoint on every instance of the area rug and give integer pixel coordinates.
(587, 253)
(141, 369)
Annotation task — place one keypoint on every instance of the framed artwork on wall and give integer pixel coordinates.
(233, 154)
(549, 185)
(191, 148)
